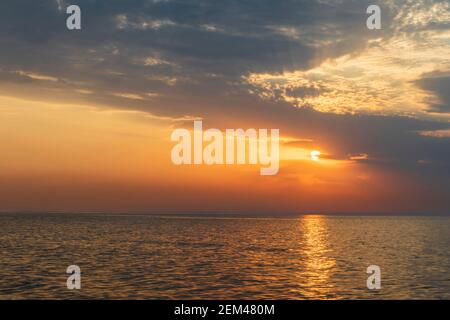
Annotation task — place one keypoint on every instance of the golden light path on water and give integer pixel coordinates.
(318, 264)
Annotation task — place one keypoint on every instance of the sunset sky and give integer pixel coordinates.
(86, 116)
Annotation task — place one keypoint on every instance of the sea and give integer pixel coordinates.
(295, 257)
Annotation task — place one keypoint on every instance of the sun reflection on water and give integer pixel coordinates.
(318, 263)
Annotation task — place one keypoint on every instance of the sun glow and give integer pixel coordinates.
(315, 155)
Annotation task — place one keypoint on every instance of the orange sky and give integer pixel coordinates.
(72, 157)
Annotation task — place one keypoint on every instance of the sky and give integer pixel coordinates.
(86, 115)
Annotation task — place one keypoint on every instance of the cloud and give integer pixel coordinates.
(380, 79)
(438, 84)
(436, 133)
(36, 76)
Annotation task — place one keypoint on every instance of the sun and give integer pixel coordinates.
(315, 155)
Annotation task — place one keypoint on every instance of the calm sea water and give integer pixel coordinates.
(148, 257)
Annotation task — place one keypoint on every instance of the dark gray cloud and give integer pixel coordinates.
(208, 46)
(439, 85)
(228, 38)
